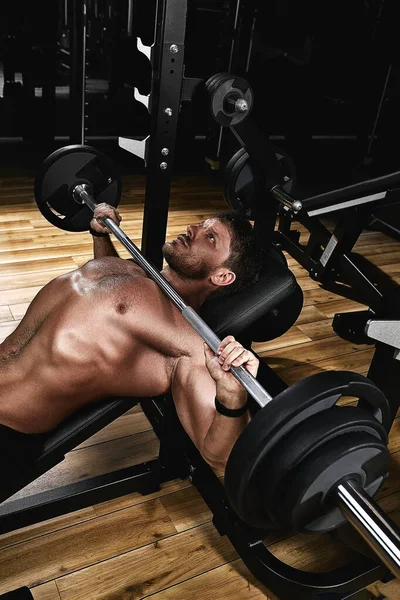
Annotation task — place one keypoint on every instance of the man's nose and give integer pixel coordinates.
(191, 231)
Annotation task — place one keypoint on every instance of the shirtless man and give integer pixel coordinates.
(106, 329)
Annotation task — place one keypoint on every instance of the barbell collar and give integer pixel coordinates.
(286, 200)
(241, 105)
(237, 104)
(250, 383)
(377, 529)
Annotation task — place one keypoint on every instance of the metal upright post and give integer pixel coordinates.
(167, 61)
(78, 71)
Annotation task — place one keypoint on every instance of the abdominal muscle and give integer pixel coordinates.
(90, 346)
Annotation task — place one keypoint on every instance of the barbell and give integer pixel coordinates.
(303, 462)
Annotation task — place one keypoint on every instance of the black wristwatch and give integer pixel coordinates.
(230, 412)
(97, 233)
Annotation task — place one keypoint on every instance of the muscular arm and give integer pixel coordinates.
(103, 246)
(194, 391)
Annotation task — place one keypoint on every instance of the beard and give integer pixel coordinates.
(187, 267)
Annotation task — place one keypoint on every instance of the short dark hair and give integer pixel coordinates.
(245, 258)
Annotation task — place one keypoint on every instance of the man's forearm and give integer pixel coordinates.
(221, 438)
(224, 431)
(103, 246)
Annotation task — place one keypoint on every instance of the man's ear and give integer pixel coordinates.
(223, 277)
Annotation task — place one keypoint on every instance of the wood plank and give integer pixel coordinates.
(5, 314)
(319, 329)
(24, 214)
(321, 296)
(310, 352)
(306, 283)
(18, 310)
(385, 591)
(394, 437)
(369, 249)
(312, 552)
(7, 328)
(232, 580)
(309, 314)
(290, 338)
(38, 530)
(46, 235)
(132, 422)
(103, 508)
(391, 485)
(33, 266)
(19, 295)
(355, 361)
(329, 309)
(381, 259)
(15, 225)
(147, 570)
(47, 591)
(25, 257)
(42, 559)
(186, 509)
(27, 280)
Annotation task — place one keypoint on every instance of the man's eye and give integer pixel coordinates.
(211, 237)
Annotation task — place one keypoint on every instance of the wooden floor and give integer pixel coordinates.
(163, 545)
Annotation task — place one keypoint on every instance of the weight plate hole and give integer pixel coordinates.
(59, 215)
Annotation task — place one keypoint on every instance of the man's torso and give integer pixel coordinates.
(105, 329)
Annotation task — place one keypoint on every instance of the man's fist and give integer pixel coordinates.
(104, 210)
(229, 354)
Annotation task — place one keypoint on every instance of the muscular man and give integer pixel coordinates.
(106, 329)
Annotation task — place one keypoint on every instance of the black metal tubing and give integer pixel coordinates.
(22, 593)
(384, 371)
(270, 171)
(356, 190)
(165, 94)
(78, 22)
(261, 150)
(145, 478)
(336, 270)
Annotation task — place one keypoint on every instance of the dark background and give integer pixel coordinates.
(325, 76)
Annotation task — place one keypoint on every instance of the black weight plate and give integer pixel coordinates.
(226, 87)
(314, 436)
(361, 454)
(270, 424)
(244, 185)
(61, 172)
(210, 83)
(233, 170)
(215, 84)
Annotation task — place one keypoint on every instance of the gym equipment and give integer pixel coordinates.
(328, 253)
(256, 186)
(308, 445)
(244, 186)
(22, 593)
(346, 478)
(231, 98)
(65, 168)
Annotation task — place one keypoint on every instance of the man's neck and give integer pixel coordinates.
(193, 292)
